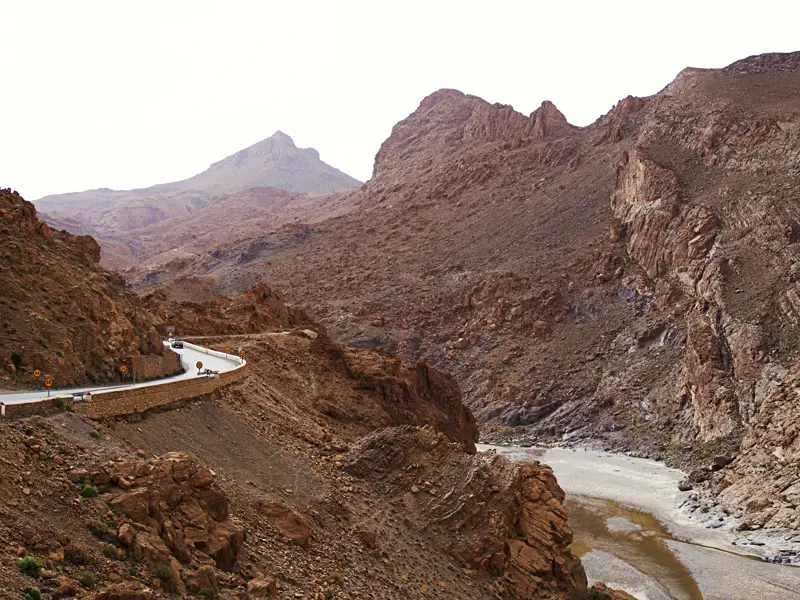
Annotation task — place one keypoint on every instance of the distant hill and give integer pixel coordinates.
(274, 162)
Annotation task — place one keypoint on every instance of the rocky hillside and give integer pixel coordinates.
(110, 215)
(199, 240)
(633, 281)
(265, 491)
(61, 312)
(257, 310)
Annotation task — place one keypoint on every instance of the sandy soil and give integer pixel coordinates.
(722, 576)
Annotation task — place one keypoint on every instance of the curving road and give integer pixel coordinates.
(190, 355)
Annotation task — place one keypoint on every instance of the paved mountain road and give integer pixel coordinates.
(190, 354)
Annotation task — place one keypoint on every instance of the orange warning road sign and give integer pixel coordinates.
(48, 382)
(123, 369)
(37, 373)
(199, 365)
(241, 352)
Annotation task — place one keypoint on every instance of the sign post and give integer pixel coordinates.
(241, 354)
(48, 383)
(2, 409)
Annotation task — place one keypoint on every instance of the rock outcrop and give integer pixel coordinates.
(414, 394)
(62, 313)
(171, 514)
(509, 517)
(634, 280)
(259, 309)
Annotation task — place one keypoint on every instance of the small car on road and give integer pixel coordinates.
(177, 343)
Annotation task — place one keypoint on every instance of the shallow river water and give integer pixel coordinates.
(630, 534)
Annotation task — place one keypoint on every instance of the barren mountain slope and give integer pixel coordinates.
(199, 237)
(634, 280)
(246, 495)
(61, 312)
(112, 214)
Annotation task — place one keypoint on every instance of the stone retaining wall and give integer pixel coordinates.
(44, 407)
(128, 401)
(152, 366)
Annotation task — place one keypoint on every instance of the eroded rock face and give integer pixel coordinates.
(259, 309)
(417, 394)
(172, 511)
(762, 481)
(63, 315)
(509, 517)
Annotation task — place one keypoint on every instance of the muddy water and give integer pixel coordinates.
(636, 538)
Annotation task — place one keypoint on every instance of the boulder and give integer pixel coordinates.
(290, 522)
(368, 538)
(224, 544)
(126, 534)
(128, 590)
(262, 587)
(203, 582)
(135, 505)
(721, 461)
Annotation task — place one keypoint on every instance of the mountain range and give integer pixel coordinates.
(632, 283)
(111, 215)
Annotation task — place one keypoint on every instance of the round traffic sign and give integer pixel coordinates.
(48, 382)
(241, 352)
(37, 373)
(123, 368)
(199, 365)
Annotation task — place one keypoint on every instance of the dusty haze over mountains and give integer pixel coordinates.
(106, 96)
(114, 215)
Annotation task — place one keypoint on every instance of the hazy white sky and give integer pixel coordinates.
(131, 93)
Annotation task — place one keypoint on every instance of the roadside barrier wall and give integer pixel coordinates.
(130, 400)
(151, 367)
(43, 407)
(127, 401)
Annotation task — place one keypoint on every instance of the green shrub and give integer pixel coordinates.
(30, 566)
(132, 571)
(31, 593)
(59, 403)
(89, 492)
(98, 529)
(86, 579)
(94, 433)
(111, 551)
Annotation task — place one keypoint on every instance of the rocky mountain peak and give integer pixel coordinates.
(762, 63)
(547, 120)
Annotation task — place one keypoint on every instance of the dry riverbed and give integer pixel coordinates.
(636, 531)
